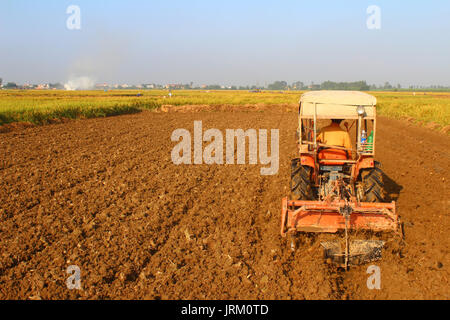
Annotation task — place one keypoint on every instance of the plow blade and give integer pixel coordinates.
(360, 252)
(319, 216)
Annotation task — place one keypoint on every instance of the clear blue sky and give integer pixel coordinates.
(227, 42)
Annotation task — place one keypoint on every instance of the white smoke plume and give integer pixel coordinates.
(100, 60)
(79, 83)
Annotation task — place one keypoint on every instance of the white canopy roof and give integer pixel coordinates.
(336, 104)
(353, 98)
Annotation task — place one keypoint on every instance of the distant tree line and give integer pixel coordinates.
(277, 85)
(10, 85)
(358, 85)
(327, 85)
(13, 85)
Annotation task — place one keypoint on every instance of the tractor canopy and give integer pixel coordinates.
(336, 105)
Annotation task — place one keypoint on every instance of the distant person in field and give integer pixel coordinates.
(334, 135)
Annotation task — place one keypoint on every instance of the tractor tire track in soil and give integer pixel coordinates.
(104, 195)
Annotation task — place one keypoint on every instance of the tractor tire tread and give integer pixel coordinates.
(373, 185)
(300, 181)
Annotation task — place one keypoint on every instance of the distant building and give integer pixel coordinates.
(314, 87)
(44, 86)
(101, 86)
(175, 86)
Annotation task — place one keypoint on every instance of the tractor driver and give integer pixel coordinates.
(334, 135)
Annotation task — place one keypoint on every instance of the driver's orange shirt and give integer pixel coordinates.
(334, 135)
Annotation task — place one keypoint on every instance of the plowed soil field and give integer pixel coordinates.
(104, 195)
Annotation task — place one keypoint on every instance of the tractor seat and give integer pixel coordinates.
(332, 154)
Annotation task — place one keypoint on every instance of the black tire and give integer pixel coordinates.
(372, 184)
(301, 181)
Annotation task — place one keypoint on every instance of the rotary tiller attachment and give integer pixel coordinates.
(330, 217)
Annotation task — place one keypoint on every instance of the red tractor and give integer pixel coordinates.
(334, 188)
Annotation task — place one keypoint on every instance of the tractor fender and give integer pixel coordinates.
(307, 160)
(363, 163)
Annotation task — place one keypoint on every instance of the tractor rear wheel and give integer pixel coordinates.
(301, 181)
(371, 185)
